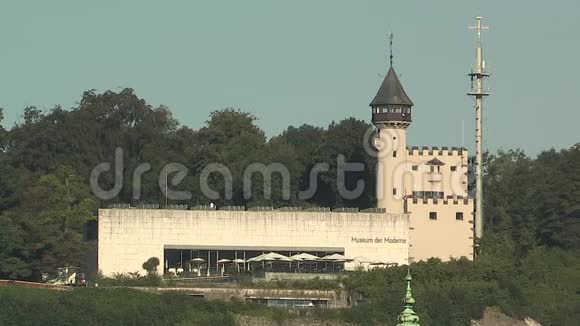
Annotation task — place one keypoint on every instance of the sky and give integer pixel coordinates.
(305, 62)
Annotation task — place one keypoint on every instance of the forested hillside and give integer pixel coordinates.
(47, 158)
(528, 260)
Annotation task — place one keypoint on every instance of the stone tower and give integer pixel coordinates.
(391, 114)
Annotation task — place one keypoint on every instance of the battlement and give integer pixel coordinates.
(440, 201)
(443, 151)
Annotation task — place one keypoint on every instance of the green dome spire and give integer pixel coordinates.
(408, 317)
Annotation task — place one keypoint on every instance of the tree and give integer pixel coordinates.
(12, 251)
(32, 115)
(150, 265)
(52, 216)
(3, 134)
(231, 138)
(347, 139)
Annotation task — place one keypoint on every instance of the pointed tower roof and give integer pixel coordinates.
(391, 91)
(408, 316)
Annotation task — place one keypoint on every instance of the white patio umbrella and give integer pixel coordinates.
(257, 258)
(304, 257)
(335, 257)
(278, 256)
(261, 259)
(238, 262)
(198, 261)
(223, 262)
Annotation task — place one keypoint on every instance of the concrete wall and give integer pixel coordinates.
(335, 298)
(444, 237)
(296, 276)
(128, 237)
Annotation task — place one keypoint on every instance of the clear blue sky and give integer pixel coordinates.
(296, 62)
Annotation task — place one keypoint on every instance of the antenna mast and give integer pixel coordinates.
(478, 75)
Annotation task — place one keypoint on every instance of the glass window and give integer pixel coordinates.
(415, 167)
(459, 216)
(432, 215)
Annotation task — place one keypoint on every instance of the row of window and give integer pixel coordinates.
(458, 216)
(416, 167)
(428, 194)
(392, 110)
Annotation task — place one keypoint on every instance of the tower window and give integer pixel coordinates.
(415, 167)
(394, 153)
(432, 215)
(453, 168)
(394, 191)
(459, 216)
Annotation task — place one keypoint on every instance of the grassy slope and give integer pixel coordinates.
(25, 306)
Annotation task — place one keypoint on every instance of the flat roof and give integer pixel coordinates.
(253, 248)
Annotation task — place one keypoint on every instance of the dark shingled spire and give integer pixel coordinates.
(391, 92)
